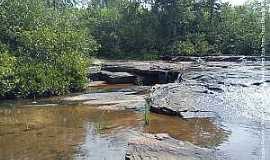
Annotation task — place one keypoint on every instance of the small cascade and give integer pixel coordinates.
(179, 78)
(243, 60)
(200, 60)
(166, 78)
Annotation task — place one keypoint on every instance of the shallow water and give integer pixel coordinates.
(54, 129)
(83, 132)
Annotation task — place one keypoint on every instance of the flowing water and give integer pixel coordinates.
(56, 129)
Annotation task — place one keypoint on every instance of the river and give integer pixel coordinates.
(54, 128)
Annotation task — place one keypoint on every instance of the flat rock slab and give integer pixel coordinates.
(183, 99)
(96, 84)
(111, 100)
(163, 147)
(117, 77)
(143, 66)
(215, 58)
(134, 105)
(149, 72)
(212, 90)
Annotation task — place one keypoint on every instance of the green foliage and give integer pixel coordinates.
(196, 45)
(67, 74)
(40, 79)
(123, 28)
(45, 52)
(240, 30)
(7, 72)
(185, 47)
(47, 42)
(186, 27)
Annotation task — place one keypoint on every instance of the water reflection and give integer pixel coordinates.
(56, 132)
(200, 131)
(84, 132)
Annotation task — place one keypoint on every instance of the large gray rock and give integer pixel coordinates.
(184, 99)
(233, 93)
(150, 72)
(163, 147)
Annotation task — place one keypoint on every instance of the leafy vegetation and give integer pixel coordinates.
(176, 27)
(46, 45)
(44, 51)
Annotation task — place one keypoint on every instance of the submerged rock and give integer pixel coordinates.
(111, 100)
(123, 105)
(96, 83)
(163, 147)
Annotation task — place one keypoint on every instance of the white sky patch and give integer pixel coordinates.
(235, 2)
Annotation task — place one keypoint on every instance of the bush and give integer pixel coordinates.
(41, 79)
(186, 48)
(43, 54)
(36, 79)
(7, 72)
(193, 45)
(53, 62)
(202, 48)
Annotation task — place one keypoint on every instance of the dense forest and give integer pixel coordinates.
(175, 27)
(47, 45)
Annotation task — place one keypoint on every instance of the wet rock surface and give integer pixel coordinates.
(147, 72)
(162, 72)
(163, 147)
(111, 100)
(117, 77)
(212, 90)
(215, 58)
(180, 99)
(202, 88)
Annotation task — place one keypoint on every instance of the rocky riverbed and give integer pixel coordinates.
(229, 92)
(199, 110)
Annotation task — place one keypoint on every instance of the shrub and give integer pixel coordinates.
(41, 79)
(45, 53)
(202, 48)
(7, 72)
(53, 62)
(185, 47)
(193, 45)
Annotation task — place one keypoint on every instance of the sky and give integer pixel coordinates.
(236, 2)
